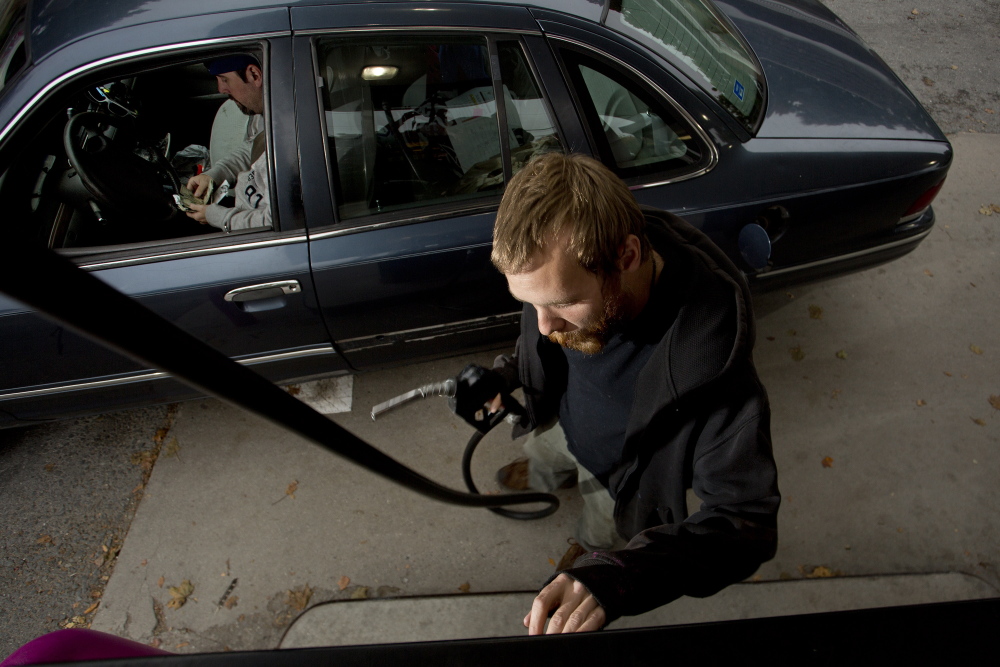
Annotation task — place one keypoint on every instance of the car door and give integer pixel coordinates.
(406, 126)
(248, 293)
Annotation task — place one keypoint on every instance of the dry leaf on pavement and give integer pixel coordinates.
(821, 572)
(360, 593)
(797, 353)
(995, 402)
(978, 422)
(292, 488)
(921, 402)
(231, 601)
(465, 588)
(827, 462)
(815, 312)
(841, 354)
(343, 582)
(298, 598)
(976, 349)
(179, 594)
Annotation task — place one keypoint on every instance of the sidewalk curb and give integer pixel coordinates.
(442, 618)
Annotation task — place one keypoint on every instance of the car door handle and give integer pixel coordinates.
(265, 296)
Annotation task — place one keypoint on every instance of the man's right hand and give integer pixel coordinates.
(198, 185)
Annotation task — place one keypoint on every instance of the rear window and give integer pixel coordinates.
(14, 52)
(694, 35)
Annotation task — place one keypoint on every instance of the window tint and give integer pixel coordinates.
(635, 130)
(109, 167)
(414, 120)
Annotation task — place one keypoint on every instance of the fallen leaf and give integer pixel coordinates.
(828, 462)
(155, 643)
(841, 354)
(159, 582)
(979, 422)
(161, 433)
(921, 402)
(292, 488)
(915, 12)
(293, 389)
(552, 562)
(344, 582)
(44, 539)
(988, 110)
(180, 594)
(947, 373)
(143, 563)
(928, 81)
(821, 572)
(988, 209)
(975, 349)
(954, 66)
(928, 273)
(995, 402)
(173, 447)
(465, 588)
(49, 467)
(231, 601)
(797, 353)
(815, 312)
(298, 598)
(91, 608)
(183, 644)
(360, 593)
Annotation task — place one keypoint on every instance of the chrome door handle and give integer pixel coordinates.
(263, 291)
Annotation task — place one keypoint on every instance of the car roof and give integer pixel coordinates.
(52, 26)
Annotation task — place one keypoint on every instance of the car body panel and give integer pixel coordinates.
(822, 79)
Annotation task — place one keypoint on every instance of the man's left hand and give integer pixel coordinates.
(197, 212)
(576, 610)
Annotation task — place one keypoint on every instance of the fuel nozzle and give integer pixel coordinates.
(445, 388)
(467, 395)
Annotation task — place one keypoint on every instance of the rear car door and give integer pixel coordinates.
(406, 125)
(248, 293)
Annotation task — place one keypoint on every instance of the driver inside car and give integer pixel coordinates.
(241, 78)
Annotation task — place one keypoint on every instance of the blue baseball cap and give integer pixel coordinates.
(236, 63)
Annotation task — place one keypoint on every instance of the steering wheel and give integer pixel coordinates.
(117, 178)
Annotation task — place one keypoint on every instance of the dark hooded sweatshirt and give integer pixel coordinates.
(699, 419)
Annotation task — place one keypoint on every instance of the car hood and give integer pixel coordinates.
(823, 81)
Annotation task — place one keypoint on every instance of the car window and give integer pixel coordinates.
(697, 38)
(109, 167)
(413, 121)
(637, 131)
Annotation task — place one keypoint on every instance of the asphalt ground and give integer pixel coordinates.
(69, 489)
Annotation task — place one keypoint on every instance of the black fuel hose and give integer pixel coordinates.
(521, 515)
(54, 286)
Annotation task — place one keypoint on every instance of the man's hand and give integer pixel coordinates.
(576, 610)
(197, 212)
(198, 185)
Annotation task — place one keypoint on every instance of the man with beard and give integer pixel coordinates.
(241, 78)
(635, 361)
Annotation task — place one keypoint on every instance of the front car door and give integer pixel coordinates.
(248, 293)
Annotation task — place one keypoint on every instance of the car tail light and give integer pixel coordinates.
(923, 201)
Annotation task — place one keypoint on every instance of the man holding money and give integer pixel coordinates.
(241, 78)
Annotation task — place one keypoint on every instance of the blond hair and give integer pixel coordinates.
(575, 196)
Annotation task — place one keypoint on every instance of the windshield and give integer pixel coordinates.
(14, 53)
(693, 35)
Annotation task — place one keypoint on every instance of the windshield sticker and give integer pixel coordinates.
(738, 90)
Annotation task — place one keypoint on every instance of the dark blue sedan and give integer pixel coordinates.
(388, 133)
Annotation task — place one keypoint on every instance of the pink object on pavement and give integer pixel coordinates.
(77, 644)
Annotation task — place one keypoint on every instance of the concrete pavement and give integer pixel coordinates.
(887, 445)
